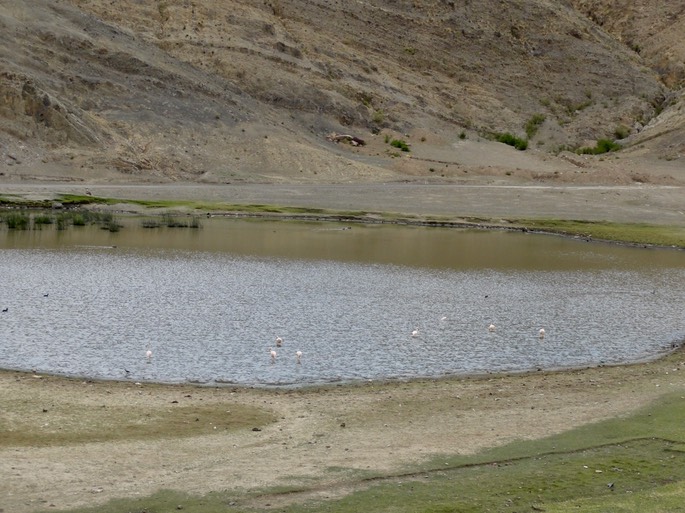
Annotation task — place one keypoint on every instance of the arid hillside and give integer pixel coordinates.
(234, 91)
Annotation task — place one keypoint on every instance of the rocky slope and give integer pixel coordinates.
(249, 90)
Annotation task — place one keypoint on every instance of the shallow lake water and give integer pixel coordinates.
(209, 302)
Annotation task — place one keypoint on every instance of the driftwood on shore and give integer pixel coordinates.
(354, 141)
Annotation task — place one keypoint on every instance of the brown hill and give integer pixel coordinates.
(250, 90)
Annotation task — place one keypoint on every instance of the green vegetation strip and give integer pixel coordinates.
(628, 464)
(642, 234)
(254, 209)
(656, 235)
(648, 234)
(30, 219)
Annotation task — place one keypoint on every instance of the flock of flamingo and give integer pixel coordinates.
(298, 354)
(274, 354)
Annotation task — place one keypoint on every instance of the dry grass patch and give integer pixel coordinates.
(93, 415)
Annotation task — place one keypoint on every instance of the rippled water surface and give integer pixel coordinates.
(209, 303)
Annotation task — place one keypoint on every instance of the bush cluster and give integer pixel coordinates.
(533, 124)
(512, 140)
(603, 146)
(399, 143)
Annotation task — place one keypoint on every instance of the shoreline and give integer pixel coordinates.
(461, 222)
(675, 347)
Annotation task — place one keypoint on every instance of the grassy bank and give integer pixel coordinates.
(628, 233)
(642, 234)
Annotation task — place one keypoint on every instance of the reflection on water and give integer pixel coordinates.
(209, 303)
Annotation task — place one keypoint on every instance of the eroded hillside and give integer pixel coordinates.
(248, 90)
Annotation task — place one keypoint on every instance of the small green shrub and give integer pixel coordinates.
(534, 124)
(112, 226)
(41, 219)
(512, 140)
(62, 222)
(107, 221)
(603, 146)
(607, 145)
(78, 220)
(400, 144)
(17, 221)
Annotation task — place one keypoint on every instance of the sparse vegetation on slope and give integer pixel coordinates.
(173, 90)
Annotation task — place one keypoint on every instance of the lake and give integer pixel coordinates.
(209, 302)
